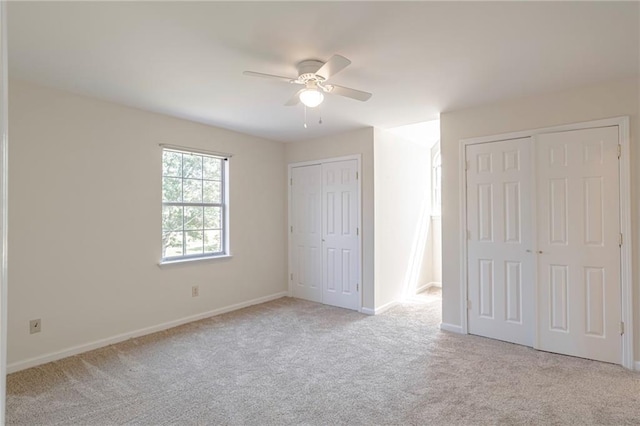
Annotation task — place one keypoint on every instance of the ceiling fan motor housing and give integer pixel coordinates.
(307, 71)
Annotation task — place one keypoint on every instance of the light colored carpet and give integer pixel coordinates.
(295, 362)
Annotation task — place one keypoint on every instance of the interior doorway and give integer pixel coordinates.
(425, 265)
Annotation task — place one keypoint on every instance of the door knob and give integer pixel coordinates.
(529, 251)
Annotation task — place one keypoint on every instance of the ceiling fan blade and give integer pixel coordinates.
(333, 66)
(295, 99)
(358, 95)
(270, 76)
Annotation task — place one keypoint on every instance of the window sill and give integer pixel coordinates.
(163, 263)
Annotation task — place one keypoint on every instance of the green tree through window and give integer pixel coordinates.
(193, 205)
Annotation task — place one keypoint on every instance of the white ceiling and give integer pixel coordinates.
(417, 58)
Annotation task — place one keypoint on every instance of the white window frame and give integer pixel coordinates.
(224, 204)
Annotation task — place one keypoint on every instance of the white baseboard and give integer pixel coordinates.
(450, 327)
(380, 309)
(428, 285)
(75, 350)
(423, 288)
(386, 307)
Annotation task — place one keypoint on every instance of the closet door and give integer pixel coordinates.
(578, 214)
(500, 243)
(341, 242)
(325, 239)
(306, 220)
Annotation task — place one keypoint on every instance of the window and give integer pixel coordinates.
(194, 206)
(436, 183)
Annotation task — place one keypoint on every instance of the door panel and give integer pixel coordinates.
(558, 291)
(341, 241)
(578, 229)
(306, 192)
(500, 258)
(513, 283)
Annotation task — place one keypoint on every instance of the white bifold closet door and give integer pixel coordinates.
(325, 236)
(306, 202)
(559, 291)
(340, 234)
(499, 247)
(578, 237)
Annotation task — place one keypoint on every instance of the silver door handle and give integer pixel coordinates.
(539, 251)
(529, 251)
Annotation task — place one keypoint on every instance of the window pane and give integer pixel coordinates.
(212, 191)
(212, 217)
(171, 218)
(195, 179)
(192, 191)
(194, 242)
(171, 164)
(192, 166)
(172, 244)
(212, 169)
(212, 241)
(193, 218)
(171, 189)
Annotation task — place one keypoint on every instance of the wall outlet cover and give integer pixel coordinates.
(35, 326)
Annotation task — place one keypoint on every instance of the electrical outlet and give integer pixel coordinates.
(195, 291)
(35, 326)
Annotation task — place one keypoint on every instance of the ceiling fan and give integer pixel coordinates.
(313, 75)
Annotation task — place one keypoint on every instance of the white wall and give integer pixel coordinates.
(355, 142)
(85, 215)
(431, 273)
(436, 259)
(4, 128)
(611, 99)
(436, 231)
(402, 214)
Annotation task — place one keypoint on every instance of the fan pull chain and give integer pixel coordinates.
(305, 116)
(320, 113)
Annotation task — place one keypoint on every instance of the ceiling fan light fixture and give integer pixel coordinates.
(311, 97)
